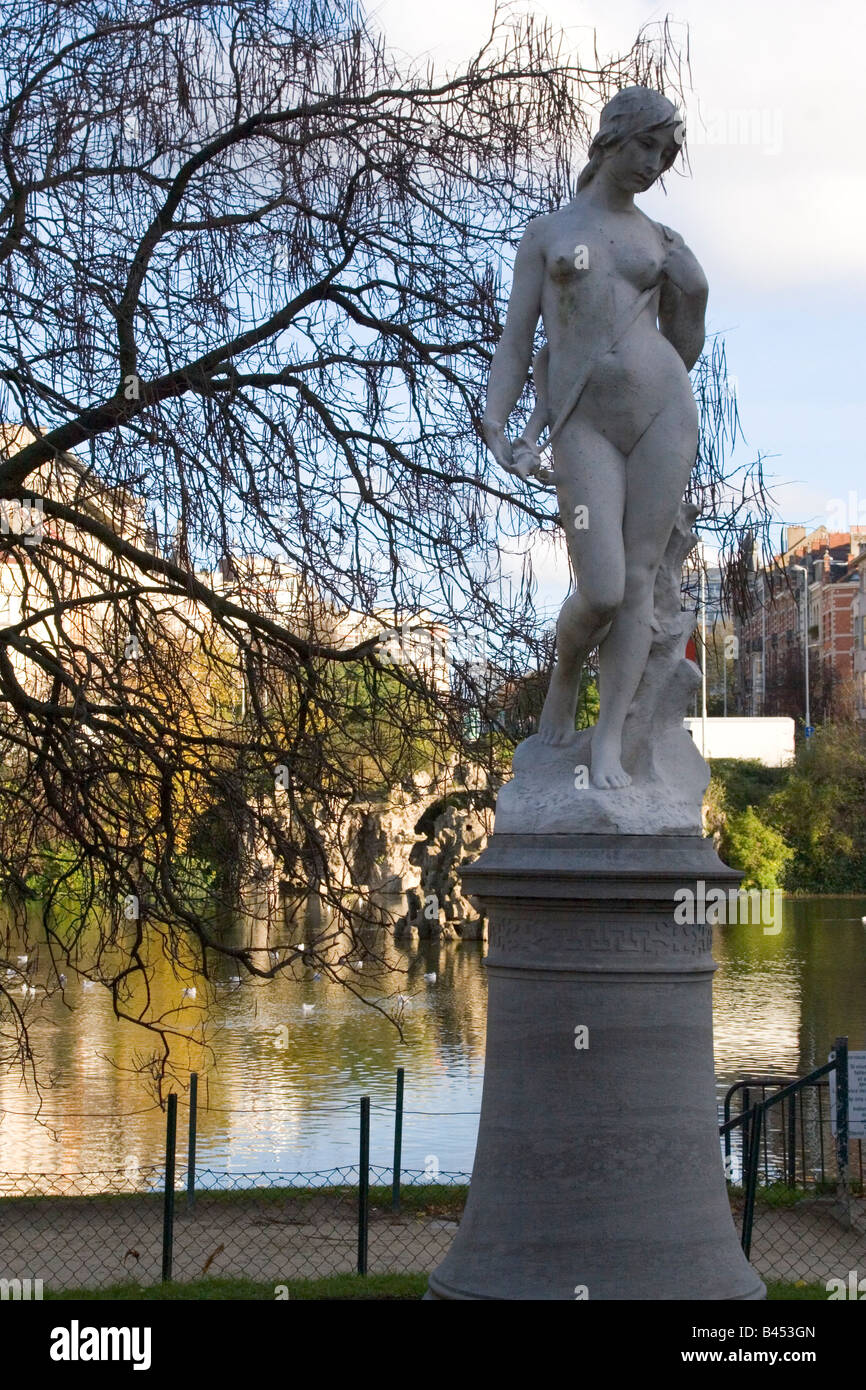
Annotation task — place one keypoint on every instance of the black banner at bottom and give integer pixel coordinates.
(191, 1339)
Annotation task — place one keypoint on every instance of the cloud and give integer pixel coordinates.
(778, 192)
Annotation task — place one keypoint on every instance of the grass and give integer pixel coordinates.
(431, 1199)
(779, 1194)
(778, 1292)
(427, 1199)
(344, 1287)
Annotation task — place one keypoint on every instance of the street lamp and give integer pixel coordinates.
(804, 570)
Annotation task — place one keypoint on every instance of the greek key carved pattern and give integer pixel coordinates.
(512, 933)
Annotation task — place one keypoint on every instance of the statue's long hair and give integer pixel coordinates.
(633, 111)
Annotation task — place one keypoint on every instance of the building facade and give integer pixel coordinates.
(823, 570)
(858, 573)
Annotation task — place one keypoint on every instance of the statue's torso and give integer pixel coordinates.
(597, 266)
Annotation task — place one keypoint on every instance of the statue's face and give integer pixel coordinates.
(639, 161)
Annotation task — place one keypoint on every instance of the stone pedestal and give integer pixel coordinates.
(598, 1172)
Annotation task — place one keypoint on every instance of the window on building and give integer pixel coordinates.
(758, 675)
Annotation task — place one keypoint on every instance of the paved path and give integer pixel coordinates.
(92, 1243)
(808, 1241)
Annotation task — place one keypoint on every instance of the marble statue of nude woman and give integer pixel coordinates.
(622, 300)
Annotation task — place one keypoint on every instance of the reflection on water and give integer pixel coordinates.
(279, 1084)
(781, 1001)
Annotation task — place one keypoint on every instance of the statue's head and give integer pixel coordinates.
(639, 136)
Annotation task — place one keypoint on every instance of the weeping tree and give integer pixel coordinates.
(252, 279)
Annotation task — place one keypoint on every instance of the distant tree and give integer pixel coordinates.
(821, 811)
(756, 848)
(737, 818)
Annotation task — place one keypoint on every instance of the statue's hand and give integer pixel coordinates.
(527, 460)
(523, 458)
(499, 445)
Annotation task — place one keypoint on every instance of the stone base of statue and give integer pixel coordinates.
(598, 1170)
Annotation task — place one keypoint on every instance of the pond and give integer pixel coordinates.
(280, 1083)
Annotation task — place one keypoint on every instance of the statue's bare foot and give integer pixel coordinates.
(556, 725)
(606, 769)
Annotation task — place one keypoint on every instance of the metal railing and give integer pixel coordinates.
(754, 1123)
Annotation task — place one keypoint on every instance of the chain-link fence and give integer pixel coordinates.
(804, 1238)
(272, 1228)
(265, 1227)
(796, 1190)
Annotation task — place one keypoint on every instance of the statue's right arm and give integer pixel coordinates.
(510, 366)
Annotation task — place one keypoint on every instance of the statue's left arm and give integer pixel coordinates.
(683, 300)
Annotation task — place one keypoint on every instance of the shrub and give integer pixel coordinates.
(756, 848)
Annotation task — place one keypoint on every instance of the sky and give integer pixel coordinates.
(774, 208)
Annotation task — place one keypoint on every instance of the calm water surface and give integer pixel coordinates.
(279, 1086)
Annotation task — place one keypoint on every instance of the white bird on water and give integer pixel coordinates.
(431, 978)
(190, 992)
(22, 960)
(307, 1008)
(88, 984)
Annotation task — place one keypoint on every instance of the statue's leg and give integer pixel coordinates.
(656, 477)
(590, 476)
